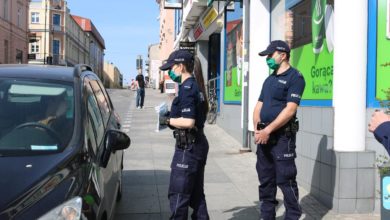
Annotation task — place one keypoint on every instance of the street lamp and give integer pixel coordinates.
(44, 39)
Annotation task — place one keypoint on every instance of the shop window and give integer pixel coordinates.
(233, 52)
(382, 71)
(299, 21)
(301, 24)
(307, 26)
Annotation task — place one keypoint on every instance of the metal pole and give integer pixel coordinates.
(44, 38)
(245, 69)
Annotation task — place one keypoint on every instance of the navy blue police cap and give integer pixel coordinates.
(177, 56)
(276, 45)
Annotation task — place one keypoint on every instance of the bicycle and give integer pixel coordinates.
(213, 103)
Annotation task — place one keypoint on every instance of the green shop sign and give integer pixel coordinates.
(383, 48)
(315, 59)
(317, 70)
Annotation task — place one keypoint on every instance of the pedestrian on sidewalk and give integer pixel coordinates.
(140, 91)
(275, 119)
(380, 126)
(187, 118)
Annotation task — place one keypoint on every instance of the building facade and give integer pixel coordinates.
(13, 31)
(59, 38)
(112, 76)
(77, 43)
(153, 63)
(167, 39)
(55, 37)
(335, 152)
(96, 44)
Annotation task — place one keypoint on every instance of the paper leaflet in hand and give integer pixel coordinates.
(161, 110)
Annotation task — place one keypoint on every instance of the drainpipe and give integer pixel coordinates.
(245, 69)
(44, 39)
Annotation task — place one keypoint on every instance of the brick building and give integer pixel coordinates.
(13, 31)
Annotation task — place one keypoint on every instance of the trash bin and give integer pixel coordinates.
(385, 190)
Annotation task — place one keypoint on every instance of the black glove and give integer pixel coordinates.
(164, 120)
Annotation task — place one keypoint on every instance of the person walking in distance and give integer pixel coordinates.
(140, 91)
(187, 118)
(274, 118)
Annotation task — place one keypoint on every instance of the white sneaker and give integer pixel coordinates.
(139, 107)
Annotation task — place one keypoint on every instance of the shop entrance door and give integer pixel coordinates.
(213, 69)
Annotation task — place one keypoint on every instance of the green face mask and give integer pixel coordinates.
(272, 63)
(174, 77)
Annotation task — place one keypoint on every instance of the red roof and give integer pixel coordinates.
(87, 25)
(232, 24)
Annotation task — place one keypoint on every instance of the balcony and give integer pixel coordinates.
(192, 10)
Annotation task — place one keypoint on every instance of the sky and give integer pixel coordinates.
(127, 26)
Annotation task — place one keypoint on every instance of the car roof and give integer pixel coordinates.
(50, 72)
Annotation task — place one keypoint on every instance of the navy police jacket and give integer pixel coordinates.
(278, 90)
(382, 134)
(188, 104)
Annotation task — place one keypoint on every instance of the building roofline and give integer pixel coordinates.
(88, 26)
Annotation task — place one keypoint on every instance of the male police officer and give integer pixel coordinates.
(275, 119)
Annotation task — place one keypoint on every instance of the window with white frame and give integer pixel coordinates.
(35, 47)
(34, 17)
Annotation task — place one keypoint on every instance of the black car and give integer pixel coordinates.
(61, 150)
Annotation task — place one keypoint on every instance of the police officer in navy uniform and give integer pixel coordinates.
(274, 118)
(187, 118)
(380, 126)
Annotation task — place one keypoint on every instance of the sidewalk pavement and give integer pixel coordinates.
(231, 183)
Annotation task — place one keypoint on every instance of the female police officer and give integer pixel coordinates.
(187, 117)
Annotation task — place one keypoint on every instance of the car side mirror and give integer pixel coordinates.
(114, 140)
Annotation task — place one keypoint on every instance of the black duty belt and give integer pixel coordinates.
(185, 137)
(289, 129)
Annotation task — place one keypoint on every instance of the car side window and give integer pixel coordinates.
(106, 95)
(95, 115)
(101, 100)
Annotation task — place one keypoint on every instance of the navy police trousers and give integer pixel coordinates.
(187, 181)
(276, 167)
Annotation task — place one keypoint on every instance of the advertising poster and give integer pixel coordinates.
(317, 55)
(383, 48)
(233, 53)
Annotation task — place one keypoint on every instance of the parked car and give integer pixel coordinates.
(61, 150)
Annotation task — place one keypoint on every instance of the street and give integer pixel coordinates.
(281, 109)
(230, 178)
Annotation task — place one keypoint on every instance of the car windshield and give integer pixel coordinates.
(35, 116)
